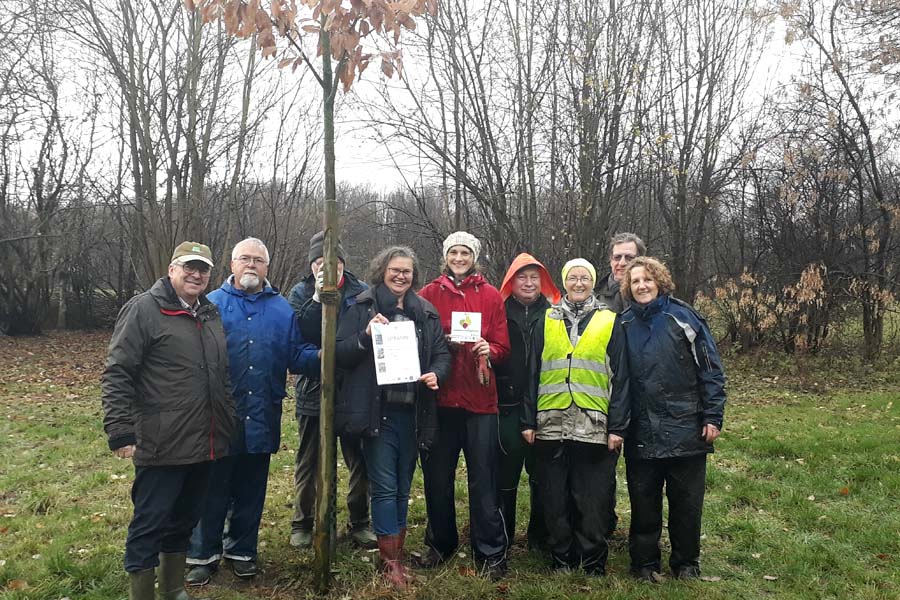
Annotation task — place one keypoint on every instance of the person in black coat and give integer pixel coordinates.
(304, 299)
(667, 407)
(397, 420)
(527, 291)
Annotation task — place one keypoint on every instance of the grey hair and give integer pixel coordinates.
(255, 242)
(378, 265)
(624, 238)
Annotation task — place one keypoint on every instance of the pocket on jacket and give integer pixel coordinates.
(506, 391)
(147, 436)
(683, 405)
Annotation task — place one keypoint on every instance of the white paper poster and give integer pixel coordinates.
(396, 352)
(465, 326)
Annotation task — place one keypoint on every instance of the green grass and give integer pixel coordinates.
(802, 495)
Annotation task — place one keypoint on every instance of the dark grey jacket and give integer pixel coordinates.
(309, 314)
(512, 376)
(166, 386)
(607, 292)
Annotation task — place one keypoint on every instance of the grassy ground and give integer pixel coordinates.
(801, 501)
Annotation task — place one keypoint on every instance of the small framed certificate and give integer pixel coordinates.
(465, 326)
(396, 352)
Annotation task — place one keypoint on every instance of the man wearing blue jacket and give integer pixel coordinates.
(264, 342)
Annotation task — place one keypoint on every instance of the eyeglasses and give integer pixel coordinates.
(195, 267)
(404, 272)
(621, 257)
(249, 260)
(582, 279)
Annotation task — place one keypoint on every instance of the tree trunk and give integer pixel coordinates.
(325, 503)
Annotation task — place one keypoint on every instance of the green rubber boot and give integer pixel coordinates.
(140, 585)
(171, 576)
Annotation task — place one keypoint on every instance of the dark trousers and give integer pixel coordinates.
(305, 478)
(236, 492)
(575, 481)
(514, 453)
(685, 482)
(167, 502)
(391, 463)
(476, 435)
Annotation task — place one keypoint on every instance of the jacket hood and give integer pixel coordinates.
(165, 296)
(548, 288)
(645, 311)
(475, 280)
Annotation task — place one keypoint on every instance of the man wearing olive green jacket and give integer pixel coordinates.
(167, 405)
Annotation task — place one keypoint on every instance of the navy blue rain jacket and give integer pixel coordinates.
(668, 380)
(264, 342)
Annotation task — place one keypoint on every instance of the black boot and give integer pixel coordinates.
(537, 526)
(171, 576)
(140, 585)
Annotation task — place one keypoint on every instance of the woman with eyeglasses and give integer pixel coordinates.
(396, 421)
(565, 418)
(667, 408)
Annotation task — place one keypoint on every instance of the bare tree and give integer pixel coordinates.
(841, 35)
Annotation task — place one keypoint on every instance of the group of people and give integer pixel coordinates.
(557, 382)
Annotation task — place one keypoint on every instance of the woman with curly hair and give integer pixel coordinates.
(667, 406)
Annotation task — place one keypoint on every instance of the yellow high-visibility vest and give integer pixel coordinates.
(575, 374)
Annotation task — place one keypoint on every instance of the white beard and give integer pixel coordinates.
(250, 281)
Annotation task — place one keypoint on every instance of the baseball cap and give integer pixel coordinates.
(188, 251)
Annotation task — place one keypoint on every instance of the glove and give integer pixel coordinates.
(320, 281)
(484, 370)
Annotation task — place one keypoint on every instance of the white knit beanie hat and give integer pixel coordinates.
(461, 238)
(579, 262)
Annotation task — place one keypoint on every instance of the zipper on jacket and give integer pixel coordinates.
(706, 354)
(212, 412)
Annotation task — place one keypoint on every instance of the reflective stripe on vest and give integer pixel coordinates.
(575, 374)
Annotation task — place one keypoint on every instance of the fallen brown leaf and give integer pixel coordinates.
(17, 584)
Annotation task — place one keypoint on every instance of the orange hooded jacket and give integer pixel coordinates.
(548, 288)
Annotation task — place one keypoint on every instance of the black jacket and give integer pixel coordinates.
(359, 398)
(668, 380)
(309, 314)
(512, 375)
(166, 384)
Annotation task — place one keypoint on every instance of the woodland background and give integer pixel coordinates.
(127, 126)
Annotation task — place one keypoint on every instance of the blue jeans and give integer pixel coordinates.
(236, 492)
(391, 462)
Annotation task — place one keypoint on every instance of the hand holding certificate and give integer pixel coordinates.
(396, 352)
(465, 326)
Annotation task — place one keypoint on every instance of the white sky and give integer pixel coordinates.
(361, 159)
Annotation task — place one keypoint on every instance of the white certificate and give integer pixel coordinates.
(465, 326)
(396, 352)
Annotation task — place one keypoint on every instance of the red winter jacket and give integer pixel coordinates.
(473, 294)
